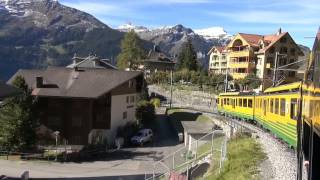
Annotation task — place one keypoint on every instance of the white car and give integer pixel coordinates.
(143, 136)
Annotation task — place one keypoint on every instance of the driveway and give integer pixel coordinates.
(129, 163)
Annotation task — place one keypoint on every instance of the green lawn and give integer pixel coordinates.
(243, 157)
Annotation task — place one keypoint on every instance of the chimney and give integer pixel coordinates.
(39, 82)
(279, 31)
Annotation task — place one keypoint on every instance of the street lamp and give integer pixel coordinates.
(56, 134)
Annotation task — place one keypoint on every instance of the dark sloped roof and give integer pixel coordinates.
(7, 91)
(91, 62)
(84, 83)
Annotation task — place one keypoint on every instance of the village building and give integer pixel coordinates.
(260, 54)
(218, 60)
(86, 105)
(155, 61)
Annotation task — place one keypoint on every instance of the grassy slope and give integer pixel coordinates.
(244, 155)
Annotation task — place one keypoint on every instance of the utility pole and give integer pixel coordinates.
(226, 81)
(171, 79)
(275, 70)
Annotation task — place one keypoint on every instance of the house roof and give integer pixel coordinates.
(82, 83)
(91, 62)
(7, 91)
(156, 55)
(252, 39)
(218, 48)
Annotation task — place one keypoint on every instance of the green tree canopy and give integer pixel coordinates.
(18, 119)
(251, 81)
(132, 52)
(187, 58)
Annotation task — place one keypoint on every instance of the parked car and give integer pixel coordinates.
(143, 136)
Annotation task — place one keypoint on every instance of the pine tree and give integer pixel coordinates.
(188, 57)
(18, 119)
(132, 52)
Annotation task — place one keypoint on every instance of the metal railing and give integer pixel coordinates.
(210, 148)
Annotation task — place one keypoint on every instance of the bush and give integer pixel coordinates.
(155, 102)
(145, 112)
(127, 131)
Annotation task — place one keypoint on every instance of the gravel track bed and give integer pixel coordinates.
(281, 162)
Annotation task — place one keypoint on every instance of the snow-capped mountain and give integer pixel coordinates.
(128, 27)
(207, 33)
(171, 38)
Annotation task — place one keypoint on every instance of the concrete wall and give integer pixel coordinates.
(119, 106)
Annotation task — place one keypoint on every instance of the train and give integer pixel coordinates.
(290, 112)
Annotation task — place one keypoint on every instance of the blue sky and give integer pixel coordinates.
(301, 18)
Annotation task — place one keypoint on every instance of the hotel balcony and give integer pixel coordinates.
(241, 65)
(244, 53)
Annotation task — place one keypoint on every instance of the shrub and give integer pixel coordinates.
(145, 112)
(127, 131)
(155, 102)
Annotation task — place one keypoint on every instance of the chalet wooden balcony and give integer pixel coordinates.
(244, 53)
(241, 65)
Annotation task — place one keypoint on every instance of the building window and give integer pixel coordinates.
(76, 121)
(293, 51)
(132, 99)
(128, 99)
(124, 115)
(283, 50)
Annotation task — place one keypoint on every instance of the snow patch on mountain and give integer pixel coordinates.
(128, 27)
(212, 33)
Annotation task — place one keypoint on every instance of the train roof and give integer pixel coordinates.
(236, 93)
(284, 88)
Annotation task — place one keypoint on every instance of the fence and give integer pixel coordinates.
(194, 159)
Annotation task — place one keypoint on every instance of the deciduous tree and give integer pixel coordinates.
(132, 52)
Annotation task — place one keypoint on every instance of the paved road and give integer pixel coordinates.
(129, 163)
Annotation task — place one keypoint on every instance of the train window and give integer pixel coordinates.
(260, 103)
(276, 108)
(240, 102)
(271, 105)
(283, 107)
(294, 109)
(250, 103)
(245, 102)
